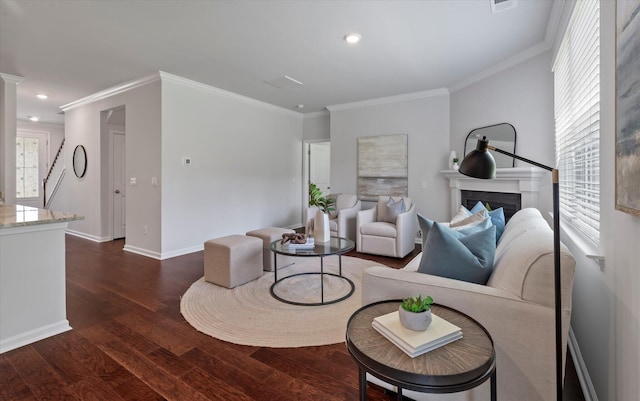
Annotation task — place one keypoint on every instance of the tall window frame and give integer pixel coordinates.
(576, 74)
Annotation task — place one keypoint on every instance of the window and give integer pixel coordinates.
(27, 179)
(577, 113)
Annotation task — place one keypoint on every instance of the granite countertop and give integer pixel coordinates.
(20, 216)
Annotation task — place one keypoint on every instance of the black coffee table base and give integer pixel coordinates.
(322, 301)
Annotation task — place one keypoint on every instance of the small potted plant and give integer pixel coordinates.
(456, 166)
(415, 312)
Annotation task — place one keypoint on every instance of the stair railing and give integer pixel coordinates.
(56, 170)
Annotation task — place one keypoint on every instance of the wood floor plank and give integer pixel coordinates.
(160, 330)
(213, 387)
(42, 380)
(162, 382)
(316, 376)
(255, 379)
(13, 387)
(137, 390)
(94, 389)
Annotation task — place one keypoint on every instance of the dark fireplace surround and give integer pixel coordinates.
(510, 202)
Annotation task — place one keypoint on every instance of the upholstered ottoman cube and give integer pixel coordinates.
(233, 260)
(268, 235)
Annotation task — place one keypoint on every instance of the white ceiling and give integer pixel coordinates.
(70, 49)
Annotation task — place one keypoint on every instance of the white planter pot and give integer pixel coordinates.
(415, 321)
(321, 231)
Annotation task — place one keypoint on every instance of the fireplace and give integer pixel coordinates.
(509, 202)
(515, 188)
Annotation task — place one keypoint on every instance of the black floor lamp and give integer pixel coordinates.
(480, 164)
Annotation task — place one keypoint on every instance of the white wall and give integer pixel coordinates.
(606, 304)
(426, 122)
(522, 96)
(90, 196)
(246, 165)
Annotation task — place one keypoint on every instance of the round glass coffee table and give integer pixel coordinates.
(335, 246)
(457, 366)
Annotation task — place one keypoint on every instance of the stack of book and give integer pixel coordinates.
(306, 246)
(440, 332)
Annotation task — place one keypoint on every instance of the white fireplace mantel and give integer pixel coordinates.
(522, 180)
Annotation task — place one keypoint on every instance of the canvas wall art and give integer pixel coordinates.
(628, 106)
(382, 166)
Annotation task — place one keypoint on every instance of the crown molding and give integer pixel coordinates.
(221, 92)
(11, 79)
(508, 63)
(389, 99)
(115, 90)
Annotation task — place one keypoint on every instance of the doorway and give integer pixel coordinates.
(320, 165)
(32, 163)
(119, 184)
(113, 131)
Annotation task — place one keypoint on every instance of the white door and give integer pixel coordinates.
(119, 185)
(320, 165)
(31, 167)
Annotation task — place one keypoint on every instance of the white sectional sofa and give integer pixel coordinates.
(516, 307)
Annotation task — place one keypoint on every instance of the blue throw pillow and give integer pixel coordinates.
(497, 218)
(426, 224)
(447, 253)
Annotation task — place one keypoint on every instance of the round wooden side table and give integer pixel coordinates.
(458, 366)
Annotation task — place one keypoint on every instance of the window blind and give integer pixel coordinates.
(577, 114)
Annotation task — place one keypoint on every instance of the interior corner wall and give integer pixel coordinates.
(90, 195)
(426, 123)
(245, 170)
(522, 96)
(316, 127)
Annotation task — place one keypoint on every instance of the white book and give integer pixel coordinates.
(307, 245)
(440, 332)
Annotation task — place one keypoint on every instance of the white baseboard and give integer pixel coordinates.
(34, 335)
(180, 252)
(90, 237)
(143, 252)
(581, 369)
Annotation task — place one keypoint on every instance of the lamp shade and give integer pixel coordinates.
(479, 163)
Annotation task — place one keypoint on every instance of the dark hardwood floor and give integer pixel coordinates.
(130, 342)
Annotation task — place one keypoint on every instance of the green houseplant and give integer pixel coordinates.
(415, 312)
(317, 199)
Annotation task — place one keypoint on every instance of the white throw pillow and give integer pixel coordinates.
(460, 223)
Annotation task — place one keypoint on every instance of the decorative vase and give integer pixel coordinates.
(455, 166)
(321, 231)
(415, 321)
(452, 156)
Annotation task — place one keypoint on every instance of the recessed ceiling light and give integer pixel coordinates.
(33, 118)
(300, 106)
(352, 38)
(41, 96)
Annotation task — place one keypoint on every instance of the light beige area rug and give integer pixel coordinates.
(249, 315)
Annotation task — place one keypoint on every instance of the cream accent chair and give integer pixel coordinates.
(376, 236)
(342, 221)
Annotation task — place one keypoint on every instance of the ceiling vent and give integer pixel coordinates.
(502, 5)
(284, 81)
